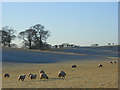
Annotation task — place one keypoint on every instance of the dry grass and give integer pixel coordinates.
(86, 75)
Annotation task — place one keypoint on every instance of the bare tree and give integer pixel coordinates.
(109, 44)
(112, 43)
(4, 37)
(28, 37)
(42, 34)
(7, 35)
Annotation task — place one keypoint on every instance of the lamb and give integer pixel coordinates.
(21, 77)
(115, 62)
(61, 74)
(100, 65)
(33, 76)
(43, 75)
(6, 75)
(42, 71)
(74, 66)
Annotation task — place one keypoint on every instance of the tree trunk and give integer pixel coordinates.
(40, 42)
(30, 46)
(30, 43)
(9, 45)
(9, 40)
(4, 44)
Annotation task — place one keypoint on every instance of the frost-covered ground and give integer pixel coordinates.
(86, 75)
(58, 55)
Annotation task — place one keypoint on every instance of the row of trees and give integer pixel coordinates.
(34, 37)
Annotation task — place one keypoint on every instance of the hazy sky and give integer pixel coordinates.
(81, 23)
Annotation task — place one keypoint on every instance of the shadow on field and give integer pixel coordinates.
(56, 78)
(44, 80)
(58, 55)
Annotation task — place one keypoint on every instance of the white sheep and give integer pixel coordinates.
(30, 74)
(21, 77)
(33, 76)
(61, 74)
(6, 75)
(100, 65)
(43, 75)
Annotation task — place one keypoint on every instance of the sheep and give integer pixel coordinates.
(61, 74)
(21, 77)
(33, 76)
(43, 75)
(42, 71)
(74, 66)
(111, 62)
(115, 62)
(100, 65)
(6, 75)
(30, 74)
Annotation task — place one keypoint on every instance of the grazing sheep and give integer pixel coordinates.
(42, 71)
(30, 74)
(100, 65)
(111, 62)
(6, 75)
(115, 62)
(43, 75)
(74, 66)
(61, 74)
(21, 77)
(33, 76)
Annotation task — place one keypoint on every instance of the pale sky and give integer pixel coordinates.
(81, 23)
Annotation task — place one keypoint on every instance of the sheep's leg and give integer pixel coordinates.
(19, 79)
(29, 77)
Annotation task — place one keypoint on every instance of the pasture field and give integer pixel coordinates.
(86, 75)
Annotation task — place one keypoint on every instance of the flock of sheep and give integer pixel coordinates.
(110, 62)
(43, 75)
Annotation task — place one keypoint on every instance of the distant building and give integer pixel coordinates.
(65, 44)
(95, 45)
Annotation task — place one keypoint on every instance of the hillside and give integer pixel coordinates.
(58, 55)
(101, 51)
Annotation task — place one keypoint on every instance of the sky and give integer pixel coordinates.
(80, 23)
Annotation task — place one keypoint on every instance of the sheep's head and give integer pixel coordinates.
(42, 71)
(30, 74)
(59, 75)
